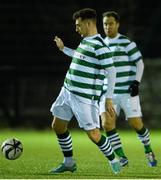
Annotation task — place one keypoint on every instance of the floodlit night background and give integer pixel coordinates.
(32, 69)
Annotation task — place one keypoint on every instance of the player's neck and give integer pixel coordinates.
(92, 31)
(113, 36)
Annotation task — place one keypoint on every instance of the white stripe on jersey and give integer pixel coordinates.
(86, 58)
(126, 69)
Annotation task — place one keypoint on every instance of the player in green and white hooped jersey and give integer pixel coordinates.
(83, 86)
(129, 67)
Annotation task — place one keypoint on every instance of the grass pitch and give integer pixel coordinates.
(41, 153)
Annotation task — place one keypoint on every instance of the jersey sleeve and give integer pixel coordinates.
(68, 51)
(133, 52)
(104, 56)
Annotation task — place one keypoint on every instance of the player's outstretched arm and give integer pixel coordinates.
(59, 43)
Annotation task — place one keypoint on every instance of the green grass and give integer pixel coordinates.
(41, 153)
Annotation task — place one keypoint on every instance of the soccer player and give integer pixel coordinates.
(81, 92)
(129, 67)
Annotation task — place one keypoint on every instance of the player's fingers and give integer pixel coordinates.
(111, 111)
(56, 38)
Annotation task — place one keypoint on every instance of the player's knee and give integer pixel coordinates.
(55, 125)
(59, 126)
(136, 123)
(94, 135)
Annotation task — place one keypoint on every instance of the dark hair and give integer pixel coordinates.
(113, 14)
(86, 13)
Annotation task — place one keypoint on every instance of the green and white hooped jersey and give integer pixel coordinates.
(125, 55)
(85, 77)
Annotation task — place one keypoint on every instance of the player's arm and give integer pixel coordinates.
(139, 70)
(111, 77)
(60, 45)
(134, 87)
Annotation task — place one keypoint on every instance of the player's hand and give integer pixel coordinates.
(134, 88)
(109, 107)
(59, 43)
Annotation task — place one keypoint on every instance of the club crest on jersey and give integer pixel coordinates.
(82, 57)
(118, 48)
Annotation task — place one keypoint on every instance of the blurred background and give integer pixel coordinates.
(32, 69)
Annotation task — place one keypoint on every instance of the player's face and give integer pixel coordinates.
(81, 27)
(110, 26)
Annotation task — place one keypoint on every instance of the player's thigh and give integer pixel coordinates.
(87, 115)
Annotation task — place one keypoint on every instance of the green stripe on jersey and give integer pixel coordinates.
(87, 53)
(101, 40)
(107, 65)
(85, 74)
(119, 44)
(83, 85)
(95, 46)
(132, 51)
(128, 73)
(124, 63)
(105, 56)
(136, 60)
(118, 91)
(88, 96)
(118, 84)
(119, 53)
(85, 63)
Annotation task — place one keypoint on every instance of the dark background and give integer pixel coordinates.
(32, 69)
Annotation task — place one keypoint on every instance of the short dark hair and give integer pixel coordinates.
(113, 14)
(86, 13)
